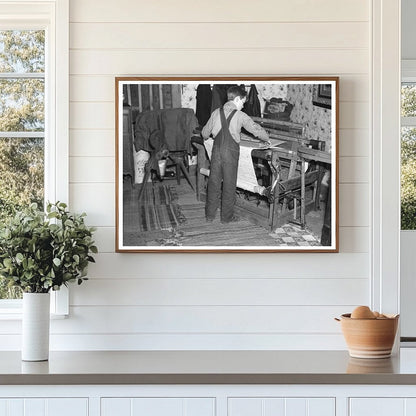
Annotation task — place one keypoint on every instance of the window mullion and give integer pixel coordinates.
(22, 75)
(408, 121)
(22, 134)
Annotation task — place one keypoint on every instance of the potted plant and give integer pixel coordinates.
(40, 252)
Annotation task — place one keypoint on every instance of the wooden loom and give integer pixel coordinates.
(287, 193)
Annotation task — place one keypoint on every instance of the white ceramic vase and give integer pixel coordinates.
(35, 326)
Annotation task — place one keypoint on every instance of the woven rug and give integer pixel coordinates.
(158, 208)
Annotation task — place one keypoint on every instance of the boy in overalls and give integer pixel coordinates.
(225, 125)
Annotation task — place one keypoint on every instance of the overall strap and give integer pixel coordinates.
(225, 122)
(230, 116)
(224, 136)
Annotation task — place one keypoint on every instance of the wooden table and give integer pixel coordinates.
(307, 154)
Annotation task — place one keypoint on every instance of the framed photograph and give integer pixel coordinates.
(322, 95)
(226, 164)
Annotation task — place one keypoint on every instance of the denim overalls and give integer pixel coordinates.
(224, 166)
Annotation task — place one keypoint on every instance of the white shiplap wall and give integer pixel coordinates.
(215, 301)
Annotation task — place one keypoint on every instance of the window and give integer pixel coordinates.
(22, 124)
(33, 110)
(408, 155)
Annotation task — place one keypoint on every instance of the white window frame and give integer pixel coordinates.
(53, 17)
(408, 238)
(385, 150)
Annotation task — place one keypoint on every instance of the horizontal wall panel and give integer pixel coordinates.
(101, 88)
(97, 200)
(354, 142)
(170, 342)
(104, 238)
(219, 62)
(91, 169)
(221, 35)
(200, 319)
(354, 115)
(354, 239)
(220, 292)
(94, 143)
(354, 205)
(92, 115)
(354, 87)
(91, 88)
(354, 169)
(218, 11)
(231, 265)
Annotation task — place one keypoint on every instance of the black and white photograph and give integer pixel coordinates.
(230, 164)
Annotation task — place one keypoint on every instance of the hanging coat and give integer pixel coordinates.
(252, 105)
(219, 96)
(203, 103)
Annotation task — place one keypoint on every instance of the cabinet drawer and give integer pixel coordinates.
(160, 406)
(376, 406)
(281, 406)
(44, 407)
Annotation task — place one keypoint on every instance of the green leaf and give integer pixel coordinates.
(69, 223)
(7, 262)
(57, 262)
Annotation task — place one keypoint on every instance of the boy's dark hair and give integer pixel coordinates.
(236, 91)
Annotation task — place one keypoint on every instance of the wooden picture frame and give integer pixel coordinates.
(286, 198)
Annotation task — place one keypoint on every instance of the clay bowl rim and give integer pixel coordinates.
(347, 316)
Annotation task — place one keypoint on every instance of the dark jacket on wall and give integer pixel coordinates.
(203, 103)
(176, 124)
(219, 96)
(252, 105)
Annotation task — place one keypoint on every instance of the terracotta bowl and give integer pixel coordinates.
(369, 366)
(369, 338)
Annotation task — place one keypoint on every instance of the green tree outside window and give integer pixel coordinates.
(22, 124)
(408, 160)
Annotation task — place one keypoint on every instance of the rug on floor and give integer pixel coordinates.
(158, 208)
